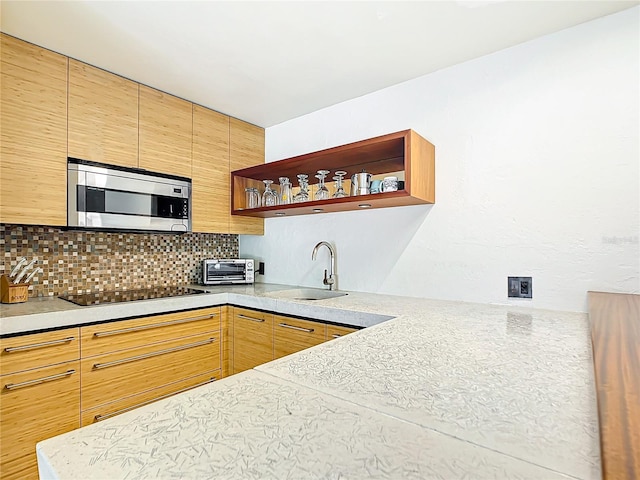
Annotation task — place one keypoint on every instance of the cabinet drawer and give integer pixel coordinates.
(334, 331)
(115, 336)
(132, 402)
(39, 349)
(292, 335)
(36, 405)
(252, 339)
(117, 375)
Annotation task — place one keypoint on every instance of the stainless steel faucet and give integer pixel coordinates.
(331, 279)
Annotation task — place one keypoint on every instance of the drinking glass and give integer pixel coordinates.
(285, 191)
(253, 197)
(303, 194)
(339, 190)
(269, 197)
(322, 193)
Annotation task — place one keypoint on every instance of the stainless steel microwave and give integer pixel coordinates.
(119, 198)
(227, 271)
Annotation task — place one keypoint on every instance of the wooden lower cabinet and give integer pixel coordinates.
(54, 382)
(292, 335)
(35, 405)
(113, 376)
(226, 330)
(257, 337)
(335, 331)
(126, 334)
(36, 350)
(149, 358)
(111, 409)
(252, 338)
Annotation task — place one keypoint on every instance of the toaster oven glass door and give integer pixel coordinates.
(225, 271)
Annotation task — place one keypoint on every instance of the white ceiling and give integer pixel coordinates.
(267, 62)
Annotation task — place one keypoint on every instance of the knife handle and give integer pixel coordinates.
(21, 262)
(25, 270)
(32, 274)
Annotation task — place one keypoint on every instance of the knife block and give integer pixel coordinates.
(13, 292)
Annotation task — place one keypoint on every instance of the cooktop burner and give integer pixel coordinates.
(97, 298)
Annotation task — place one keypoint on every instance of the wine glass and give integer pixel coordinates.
(322, 193)
(269, 197)
(303, 194)
(339, 190)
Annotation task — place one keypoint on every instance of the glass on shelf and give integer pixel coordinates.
(269, 197)
(285, 191)
(252, 197)
(303, 194)
(339, 193)
(322, 192)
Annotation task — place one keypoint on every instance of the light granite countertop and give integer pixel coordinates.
(47, 313)
(443, 390)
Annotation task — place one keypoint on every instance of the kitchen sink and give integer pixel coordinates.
(306, 294)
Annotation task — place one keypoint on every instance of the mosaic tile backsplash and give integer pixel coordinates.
(80, 261)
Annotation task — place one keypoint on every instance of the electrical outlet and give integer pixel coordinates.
(520, 287)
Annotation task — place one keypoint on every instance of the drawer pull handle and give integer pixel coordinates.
(336, 335)
(39, 345)
(251, 318)
(98, 366)
(37, 381)
(293, 327)
(98, 418)
(108, 333)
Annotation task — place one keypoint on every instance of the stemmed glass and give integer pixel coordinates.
(322, 193)
(269, 197)
(339, 190)
(303, 194)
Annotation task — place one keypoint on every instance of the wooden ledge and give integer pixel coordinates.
(615, 333)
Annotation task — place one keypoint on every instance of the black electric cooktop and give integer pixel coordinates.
(97, 298)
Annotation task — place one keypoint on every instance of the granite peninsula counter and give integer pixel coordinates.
(443, 390)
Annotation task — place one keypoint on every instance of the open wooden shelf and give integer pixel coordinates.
(403, 152)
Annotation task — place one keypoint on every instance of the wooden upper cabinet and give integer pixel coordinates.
(33, 124)
(211, 177)
(246, 149)
(165, 133)
(103, 116)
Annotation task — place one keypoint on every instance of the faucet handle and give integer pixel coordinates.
(328, 280)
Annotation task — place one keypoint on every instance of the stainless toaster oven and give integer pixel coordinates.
(227, 271)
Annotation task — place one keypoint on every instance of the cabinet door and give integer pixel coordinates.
(140, 332)
(335, 331)
(103, 116)
(292, 335)
(246, 149)
(26, 352)
(33, 124)
(132, 402)
(252, 339)
(35, 405)
(211, 177)
(165, 130)
(113, 376)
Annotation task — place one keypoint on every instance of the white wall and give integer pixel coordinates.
(537, 174)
